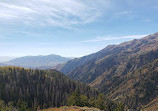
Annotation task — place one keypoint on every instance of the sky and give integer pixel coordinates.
(72, 28)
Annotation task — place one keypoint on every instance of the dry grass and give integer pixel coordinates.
(72, 108)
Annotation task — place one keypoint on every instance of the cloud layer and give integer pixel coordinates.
(51, 12)
(110, 38)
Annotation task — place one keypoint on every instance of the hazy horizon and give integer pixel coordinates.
(7, 57)
(4, 59)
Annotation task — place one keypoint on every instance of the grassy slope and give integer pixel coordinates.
(72, 108)
(124, 72)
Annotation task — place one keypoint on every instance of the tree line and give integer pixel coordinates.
(77, 99)
(30, 90)
(38, 89)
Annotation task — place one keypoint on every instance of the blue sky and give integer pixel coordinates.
(72, 28)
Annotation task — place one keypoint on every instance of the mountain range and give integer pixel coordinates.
(6, 58)
(1, 64)
(126, 72)
(41, 62)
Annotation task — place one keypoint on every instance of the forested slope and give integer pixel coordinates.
(137, 88)
(152, 106)
(38, 88)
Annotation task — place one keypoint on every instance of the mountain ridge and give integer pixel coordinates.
(74, 63)
(37, 61)
(115, 65)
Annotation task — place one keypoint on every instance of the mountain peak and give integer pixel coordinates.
(38, 61)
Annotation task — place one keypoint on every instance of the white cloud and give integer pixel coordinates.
(124, 12)
(52, 12)
(110, 38)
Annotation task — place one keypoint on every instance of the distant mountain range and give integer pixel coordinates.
(6, 58)
(41, 62)
(1, 64)
(126, 72)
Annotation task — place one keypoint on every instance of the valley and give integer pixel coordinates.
(78, 55)
(118, 77)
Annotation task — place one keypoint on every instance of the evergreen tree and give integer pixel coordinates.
(2, 106)
(39, 88)
(120, 107)
(100, 102)
(22, 106)
(92, 102)
(84, 101)
(74, 99)
(110, 105)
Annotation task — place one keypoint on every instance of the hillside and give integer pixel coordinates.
(72, 108)
(113, 70)
(1, 65)
(38, 88)
(5, 58)
(129, 48)
(136, 88)
(41, 62)
(69, 66)
(152, 106)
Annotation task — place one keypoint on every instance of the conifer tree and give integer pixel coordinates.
(100, 102)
